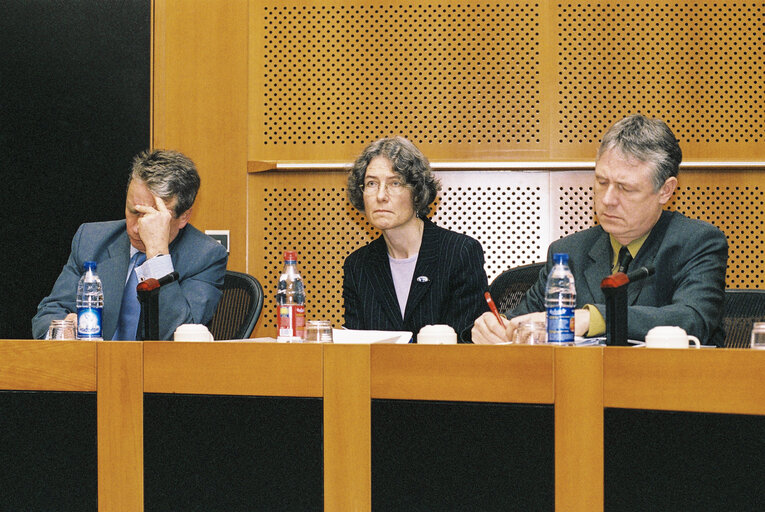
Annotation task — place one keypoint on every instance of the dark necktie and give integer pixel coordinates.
(130, 310)
(624, 259)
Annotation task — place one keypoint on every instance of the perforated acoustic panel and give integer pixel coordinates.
(734, 205)
(486, 81)
(697, 65)
(515, 216)
(329, 78)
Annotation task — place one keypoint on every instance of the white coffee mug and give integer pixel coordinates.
(669, 336)
(436, 335)
(192, 332)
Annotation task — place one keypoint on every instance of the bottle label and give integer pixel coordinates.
(560, 325)
(89, 323)
(291, 321)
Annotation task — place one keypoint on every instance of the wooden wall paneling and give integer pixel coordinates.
(579, 428)
(47, 365)
(347, 428)
(703, 380)
(731, 200)
(200, 105)
(463, 373)
(235, 368)
(462, 81)
(483, 81)
(696, 65)
(310, 213)
(120, 425)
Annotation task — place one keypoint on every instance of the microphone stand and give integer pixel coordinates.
(615, 289)
(148, 296)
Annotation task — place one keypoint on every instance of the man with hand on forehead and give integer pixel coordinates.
(154, 240)
(635, 177)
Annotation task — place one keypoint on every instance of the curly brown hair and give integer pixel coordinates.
(407, 161)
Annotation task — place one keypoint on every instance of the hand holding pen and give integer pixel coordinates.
(493, 308)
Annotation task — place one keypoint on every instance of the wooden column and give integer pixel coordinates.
(199, 106)
(120, 425)
(579, 428)
(347, 428)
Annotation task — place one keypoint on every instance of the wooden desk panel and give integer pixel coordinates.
(48, 365)
(463, 373)
(233, 368)
(347, 428)
(120, 425)
(705, 380)
(579, 428)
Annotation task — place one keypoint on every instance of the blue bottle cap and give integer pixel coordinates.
(89, 265)
(560, 257)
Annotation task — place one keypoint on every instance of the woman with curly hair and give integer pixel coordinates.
(415, 273)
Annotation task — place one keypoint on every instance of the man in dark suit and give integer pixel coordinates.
(154, 240)
(635, 176)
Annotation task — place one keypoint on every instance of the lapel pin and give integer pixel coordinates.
(423, 279)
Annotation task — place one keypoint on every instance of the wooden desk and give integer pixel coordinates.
(579, 383)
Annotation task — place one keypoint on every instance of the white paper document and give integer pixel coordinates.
(364, 337)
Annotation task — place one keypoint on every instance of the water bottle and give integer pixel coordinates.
(560, 302)
(290, 301)
(90, 304)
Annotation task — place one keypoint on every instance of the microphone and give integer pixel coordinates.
(640, 273)
(150, 284)
(148, 296)
(615, 290)
(173, 276)
(621, 279)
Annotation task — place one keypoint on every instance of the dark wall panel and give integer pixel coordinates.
(232, 453)
(462, 456)
(665, 460)
(48, 451)
(74, 109)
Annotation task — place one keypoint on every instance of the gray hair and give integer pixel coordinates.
(407, 161)
(647, 140)
(167, 174)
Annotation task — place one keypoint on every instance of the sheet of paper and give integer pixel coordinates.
(363, 337)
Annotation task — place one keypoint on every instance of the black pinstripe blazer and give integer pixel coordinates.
(447, 286)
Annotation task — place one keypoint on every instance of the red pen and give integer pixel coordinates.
(493, 308)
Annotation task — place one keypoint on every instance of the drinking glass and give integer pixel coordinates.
(531, 332)
(61, 330)
(758, 335)
(318, 331)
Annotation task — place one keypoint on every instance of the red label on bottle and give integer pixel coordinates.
(291, 319)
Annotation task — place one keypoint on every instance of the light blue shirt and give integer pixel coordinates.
(156, 267)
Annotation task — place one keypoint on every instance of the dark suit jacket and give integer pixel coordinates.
(198, 259)
(451, 295)
(687, 290)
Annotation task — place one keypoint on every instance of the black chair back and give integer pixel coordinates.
(742, 309)
(239, 307)
(508, 288)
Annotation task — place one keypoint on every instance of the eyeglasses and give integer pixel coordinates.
(393, 187)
